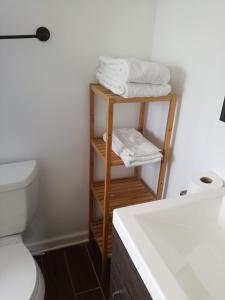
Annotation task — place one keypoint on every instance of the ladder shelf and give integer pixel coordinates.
(115, 193)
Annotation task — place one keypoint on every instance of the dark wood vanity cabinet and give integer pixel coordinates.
(125, 281)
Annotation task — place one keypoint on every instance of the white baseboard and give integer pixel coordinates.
(58, 242)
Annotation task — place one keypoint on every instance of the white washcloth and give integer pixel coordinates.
(133, 90)
(134, 70)
(133, 148)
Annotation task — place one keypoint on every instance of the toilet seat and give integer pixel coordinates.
(18, 272)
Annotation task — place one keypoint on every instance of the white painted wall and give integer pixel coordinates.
(189, 38)
(44, 89)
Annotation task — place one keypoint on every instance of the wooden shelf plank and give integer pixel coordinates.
(123, 192)
(107, 95)
(97, 230)
(100, 147)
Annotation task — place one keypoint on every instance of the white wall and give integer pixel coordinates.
(189, 38)
(44, 89)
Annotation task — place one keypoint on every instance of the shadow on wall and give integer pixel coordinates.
(178, 77)
(155, 120)
(38, 226)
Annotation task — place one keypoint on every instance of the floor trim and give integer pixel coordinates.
(58, 242)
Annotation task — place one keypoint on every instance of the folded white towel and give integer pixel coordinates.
(132, 142)
(132, 90)
(135, 162)
(133, 148)
(134, 70)
(132, 161)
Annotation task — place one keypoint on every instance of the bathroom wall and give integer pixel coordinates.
(44, 96)
(189, 38)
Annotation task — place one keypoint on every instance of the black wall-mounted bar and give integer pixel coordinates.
(42, 34)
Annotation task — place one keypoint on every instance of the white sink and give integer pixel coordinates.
(178, 245)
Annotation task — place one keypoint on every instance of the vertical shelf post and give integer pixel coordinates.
(141, 129)
(91, 156)
(109, 128)
(166, 145)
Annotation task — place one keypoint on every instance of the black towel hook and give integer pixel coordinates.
(42, 34)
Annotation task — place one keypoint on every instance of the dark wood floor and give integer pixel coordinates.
(73, 273)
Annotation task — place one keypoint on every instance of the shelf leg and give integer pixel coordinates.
(107, 185)
(166, 146)
(141, 129)
(91, 157)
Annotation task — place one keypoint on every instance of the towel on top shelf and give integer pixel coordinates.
(133, 70)
(131, 78)
(133, 148)
(133, 90)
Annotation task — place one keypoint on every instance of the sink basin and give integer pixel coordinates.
(178, 245)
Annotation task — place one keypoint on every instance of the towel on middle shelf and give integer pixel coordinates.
(134, 70)
(133, 148)
(132, 90)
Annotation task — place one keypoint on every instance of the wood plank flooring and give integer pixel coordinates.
(73, 273)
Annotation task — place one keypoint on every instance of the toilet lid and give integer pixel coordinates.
(17, 175)
(17, 272)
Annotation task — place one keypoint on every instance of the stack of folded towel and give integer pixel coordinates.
(130, 77)
(133, 148)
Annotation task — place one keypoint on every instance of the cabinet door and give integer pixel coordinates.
(118, 289)
(125, 279)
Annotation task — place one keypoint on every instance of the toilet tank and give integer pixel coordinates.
(18, 196)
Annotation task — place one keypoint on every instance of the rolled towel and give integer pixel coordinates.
(134, 70)
(133, 90)
(132, 143)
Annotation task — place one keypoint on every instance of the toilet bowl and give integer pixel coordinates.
(20, 276)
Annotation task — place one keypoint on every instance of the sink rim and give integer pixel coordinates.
(159, 280)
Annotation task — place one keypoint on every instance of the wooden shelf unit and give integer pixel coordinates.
(97, 230)
(123, 192)
(99, 146)
(111, 194)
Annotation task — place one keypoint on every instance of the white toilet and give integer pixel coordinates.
(20, 276)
